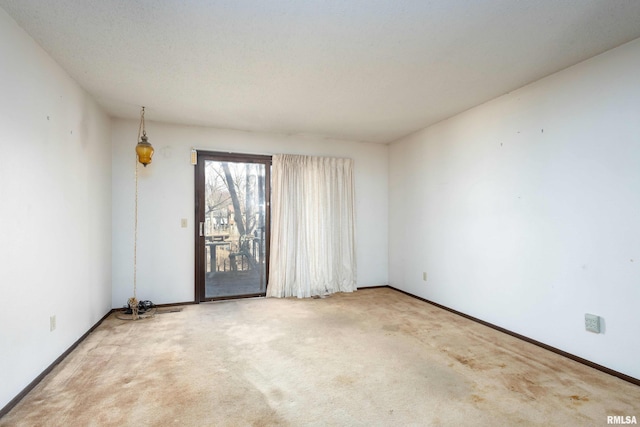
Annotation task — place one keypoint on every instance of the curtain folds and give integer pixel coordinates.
(312, 226)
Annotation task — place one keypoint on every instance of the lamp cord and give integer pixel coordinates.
(135, 220)
(135, 235)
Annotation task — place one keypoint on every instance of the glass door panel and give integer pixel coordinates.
(233, 229)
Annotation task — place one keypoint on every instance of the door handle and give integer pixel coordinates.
(201, 228)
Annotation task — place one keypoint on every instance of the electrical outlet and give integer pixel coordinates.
(183, 223)
(592, 323)
(52, 323)
(424, 276)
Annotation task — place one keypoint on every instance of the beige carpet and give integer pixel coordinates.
(375, 357)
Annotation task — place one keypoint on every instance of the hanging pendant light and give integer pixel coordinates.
(144, 149)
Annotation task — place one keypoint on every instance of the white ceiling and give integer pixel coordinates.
(365, 70)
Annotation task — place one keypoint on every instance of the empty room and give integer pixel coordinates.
(347, 213)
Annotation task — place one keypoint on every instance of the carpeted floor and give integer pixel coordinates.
(373, 358)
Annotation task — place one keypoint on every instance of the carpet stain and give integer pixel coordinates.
(344, 380)
(476, 399)
(471, 363)
(578, 399)
(524, 386)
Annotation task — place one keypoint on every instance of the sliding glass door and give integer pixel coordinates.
(232, 225)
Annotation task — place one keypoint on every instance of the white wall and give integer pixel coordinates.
(525, 211)
(166, 194)
(55, 215)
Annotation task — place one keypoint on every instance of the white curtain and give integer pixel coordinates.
(312, 227)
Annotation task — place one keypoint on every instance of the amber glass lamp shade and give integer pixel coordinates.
(144, 151)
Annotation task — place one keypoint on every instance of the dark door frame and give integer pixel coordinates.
(199, 180)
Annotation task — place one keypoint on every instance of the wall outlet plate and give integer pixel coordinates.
(592, 323)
